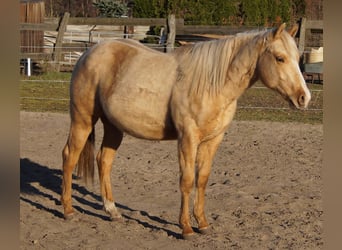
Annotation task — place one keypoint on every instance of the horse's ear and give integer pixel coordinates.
(293, 30)
(278, 30)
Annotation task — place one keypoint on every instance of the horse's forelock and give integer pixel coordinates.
(288, 43)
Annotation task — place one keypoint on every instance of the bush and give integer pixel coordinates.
(109, 8)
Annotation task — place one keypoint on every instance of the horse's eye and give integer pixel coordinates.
(280, 59)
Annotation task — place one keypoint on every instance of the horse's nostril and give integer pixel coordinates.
(301, 100)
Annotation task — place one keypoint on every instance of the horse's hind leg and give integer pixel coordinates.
(111, 141)
(78, 135)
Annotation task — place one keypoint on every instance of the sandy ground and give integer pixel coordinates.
(265, 191)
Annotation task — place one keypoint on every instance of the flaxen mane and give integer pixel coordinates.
(206, 64)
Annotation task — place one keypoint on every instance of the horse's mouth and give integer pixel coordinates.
(293, 103)
(292, 100)
(298, 100)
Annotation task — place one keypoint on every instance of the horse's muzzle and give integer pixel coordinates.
(301, 101)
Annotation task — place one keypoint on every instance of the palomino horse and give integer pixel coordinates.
(189, 95)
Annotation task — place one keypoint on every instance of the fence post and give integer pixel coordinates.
(59, 41)
(28, 66)
(171, 33)
(301, 42)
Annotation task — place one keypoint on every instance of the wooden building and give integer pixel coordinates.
(32, 11)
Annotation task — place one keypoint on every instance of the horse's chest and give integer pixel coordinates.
(215, 123)
(205, 116)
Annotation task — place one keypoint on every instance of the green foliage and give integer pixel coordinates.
(217, 12)
(213, 12)
(265, 12)
(150, 8)
(206, 12)
(298, 8)
(144, 9)
(109, 8)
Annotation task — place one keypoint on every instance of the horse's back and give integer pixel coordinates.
(128, 83)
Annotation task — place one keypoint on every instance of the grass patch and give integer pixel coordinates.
(45, 93)
(308, 116)
(259, 103)
(50, 93)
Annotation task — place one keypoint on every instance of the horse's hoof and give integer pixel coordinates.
(69, 216)
(188, 236)
(117, 218)
(205, 230)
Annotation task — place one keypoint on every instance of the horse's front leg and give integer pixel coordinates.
(205, 155)
(187, 148)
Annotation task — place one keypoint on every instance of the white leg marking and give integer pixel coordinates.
(111, 209)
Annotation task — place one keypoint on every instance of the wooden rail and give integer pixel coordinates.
(54, 24)
(305, 25)
(118, 21)
(174, 28)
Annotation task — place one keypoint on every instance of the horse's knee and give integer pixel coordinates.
(187, 181)
(202, 180)
(186, 186)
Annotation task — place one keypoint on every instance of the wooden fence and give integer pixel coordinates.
(174, 30)
(306, 25)
(56, 30)
(62, 44)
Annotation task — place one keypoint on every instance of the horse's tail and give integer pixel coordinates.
(85, 165)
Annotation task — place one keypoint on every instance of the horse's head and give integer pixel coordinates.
(278, 66)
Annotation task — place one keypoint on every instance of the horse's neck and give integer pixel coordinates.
(241, 73)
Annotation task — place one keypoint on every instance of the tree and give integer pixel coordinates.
(109, 8)
(146, 9)
(265, 12)
(76, 8)
(201, 12)
(198, 12)
(298, 8)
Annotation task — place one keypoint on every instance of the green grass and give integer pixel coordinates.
(276, 108)
(49, 76)
(44, 94)
(311, 117)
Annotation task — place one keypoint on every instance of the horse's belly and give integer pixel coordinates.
(142, 113)
(137, 100)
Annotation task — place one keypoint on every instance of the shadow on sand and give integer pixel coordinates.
(35, 178)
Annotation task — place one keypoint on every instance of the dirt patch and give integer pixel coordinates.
(265, 191)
